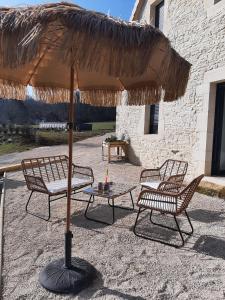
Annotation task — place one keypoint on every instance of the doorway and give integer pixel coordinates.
(218, 156)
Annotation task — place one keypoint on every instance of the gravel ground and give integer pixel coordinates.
(129, 267)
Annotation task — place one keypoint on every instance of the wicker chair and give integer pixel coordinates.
(167, 200)
(48, 175)
(171, 170)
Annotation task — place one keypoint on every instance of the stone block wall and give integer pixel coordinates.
(196, 29)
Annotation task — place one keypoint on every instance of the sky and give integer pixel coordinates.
(116, 8)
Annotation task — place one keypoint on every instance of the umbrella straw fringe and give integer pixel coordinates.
(101, 97)
(144, 96)
(12, 90)
(51, 95)
(175, 75)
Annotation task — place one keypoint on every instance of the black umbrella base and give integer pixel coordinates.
(56, 278)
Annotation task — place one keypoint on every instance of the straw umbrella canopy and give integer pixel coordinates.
(57, 48)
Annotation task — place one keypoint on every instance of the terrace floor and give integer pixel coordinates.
(129, 267)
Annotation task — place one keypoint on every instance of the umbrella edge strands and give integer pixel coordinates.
(175, 76)
(144, 96)
(107, 98)
(51, 95)
(94, 97)
(12, 90)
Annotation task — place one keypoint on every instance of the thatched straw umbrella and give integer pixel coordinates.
(57, 48)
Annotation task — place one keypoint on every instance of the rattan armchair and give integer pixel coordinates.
(48, 175)
(170, 198)
(171, 170)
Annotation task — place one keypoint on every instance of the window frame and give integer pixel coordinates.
(157, 14)
(214, 8)
(152, 127)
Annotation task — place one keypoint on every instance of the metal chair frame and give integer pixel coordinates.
(170, 170)
(39, 171)
(169, 193)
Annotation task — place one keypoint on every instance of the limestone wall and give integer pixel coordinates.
(196, 29)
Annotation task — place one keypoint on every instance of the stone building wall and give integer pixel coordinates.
(196, 29)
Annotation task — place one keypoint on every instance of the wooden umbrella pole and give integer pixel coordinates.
(68, 234)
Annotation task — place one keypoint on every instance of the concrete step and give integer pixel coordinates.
(213, 186)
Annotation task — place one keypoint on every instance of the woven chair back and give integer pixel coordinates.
(48, 168)
(172, 167)
(187, 194)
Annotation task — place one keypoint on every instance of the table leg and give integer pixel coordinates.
(96, 220)
(132, 201)
(122, 207)
(102, 152)
(89, 202)
(109, 152)
(113, 208)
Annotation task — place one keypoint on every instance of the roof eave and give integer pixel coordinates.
(137, 10)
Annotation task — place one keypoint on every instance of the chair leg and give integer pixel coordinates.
(180, 232)
(135, 224)
(157, 240)
(189, 221)
(171, 228)
(36, 215)
(29, 201)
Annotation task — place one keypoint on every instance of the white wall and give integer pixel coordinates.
(196, 29)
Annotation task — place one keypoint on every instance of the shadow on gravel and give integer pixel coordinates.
(88, 145)
(207, 216)
(99, 212)
(211, 246)
(110, 292)
(14, 184)
(145, 227)
(97, 289)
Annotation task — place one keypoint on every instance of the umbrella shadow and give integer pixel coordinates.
(209, 245)
(101, 212)
(207, 216)
(98, 289)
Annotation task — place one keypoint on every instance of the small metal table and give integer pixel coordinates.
(116, 190)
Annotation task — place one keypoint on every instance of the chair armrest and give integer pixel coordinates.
(150, 174)
(83, 172)
(35, 183)
(170, 186)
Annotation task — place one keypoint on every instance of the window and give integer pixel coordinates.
(159, 15)
(216, 1)
(154, 119)
(154, 109)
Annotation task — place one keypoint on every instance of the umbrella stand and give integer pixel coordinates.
(68, 275)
